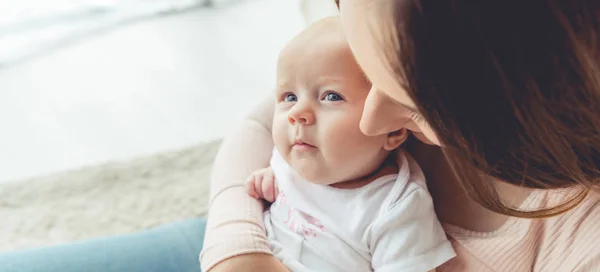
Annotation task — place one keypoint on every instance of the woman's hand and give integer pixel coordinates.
(254, 262)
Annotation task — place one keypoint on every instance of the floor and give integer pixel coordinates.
(143, 88)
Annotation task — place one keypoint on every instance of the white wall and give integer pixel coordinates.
(147, 87)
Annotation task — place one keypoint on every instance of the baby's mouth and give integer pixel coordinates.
(301, 145)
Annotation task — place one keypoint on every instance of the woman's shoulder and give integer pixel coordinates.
(567, 242)
(570, 240)
(573, 236)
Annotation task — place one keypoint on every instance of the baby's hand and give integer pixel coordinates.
(262, 184)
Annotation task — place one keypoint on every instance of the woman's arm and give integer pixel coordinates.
(235, 234)
(254, 262)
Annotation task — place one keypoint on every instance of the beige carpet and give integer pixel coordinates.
(112, 198)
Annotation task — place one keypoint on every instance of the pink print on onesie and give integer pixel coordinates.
(297, 221)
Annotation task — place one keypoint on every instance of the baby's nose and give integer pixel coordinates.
(302, 120)
(301, 115)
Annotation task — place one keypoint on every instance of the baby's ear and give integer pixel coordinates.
(395, 139)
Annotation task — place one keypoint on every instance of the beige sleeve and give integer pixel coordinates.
(235, 222)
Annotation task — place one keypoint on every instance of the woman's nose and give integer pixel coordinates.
(381, 115)
(301, 113)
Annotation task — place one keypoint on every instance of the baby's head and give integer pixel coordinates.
(320, 95)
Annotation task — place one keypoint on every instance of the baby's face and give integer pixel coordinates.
(320, 96)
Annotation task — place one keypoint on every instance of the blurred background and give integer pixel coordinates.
(88, 81)
(111, 111)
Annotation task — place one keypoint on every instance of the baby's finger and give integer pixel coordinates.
(258, 181)
(250, 188)
(268, 186)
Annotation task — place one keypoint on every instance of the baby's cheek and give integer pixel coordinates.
(355, 152)
(345, 143)
(280, 137)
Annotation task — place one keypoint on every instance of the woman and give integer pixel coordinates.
(504, 100)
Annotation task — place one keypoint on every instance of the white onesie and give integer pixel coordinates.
(387, 225)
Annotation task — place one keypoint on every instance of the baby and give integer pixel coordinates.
(339, 202)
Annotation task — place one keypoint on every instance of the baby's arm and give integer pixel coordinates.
(408, 236)
(261, 184)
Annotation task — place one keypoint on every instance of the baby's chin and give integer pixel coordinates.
(313, 176)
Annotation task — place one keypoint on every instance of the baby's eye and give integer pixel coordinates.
(333, 97)
(290, 98)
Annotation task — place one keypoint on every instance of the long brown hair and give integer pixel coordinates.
(512, 89)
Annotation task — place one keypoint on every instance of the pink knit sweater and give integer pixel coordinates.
(569, 242)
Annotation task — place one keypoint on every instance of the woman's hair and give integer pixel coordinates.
(511, 87)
